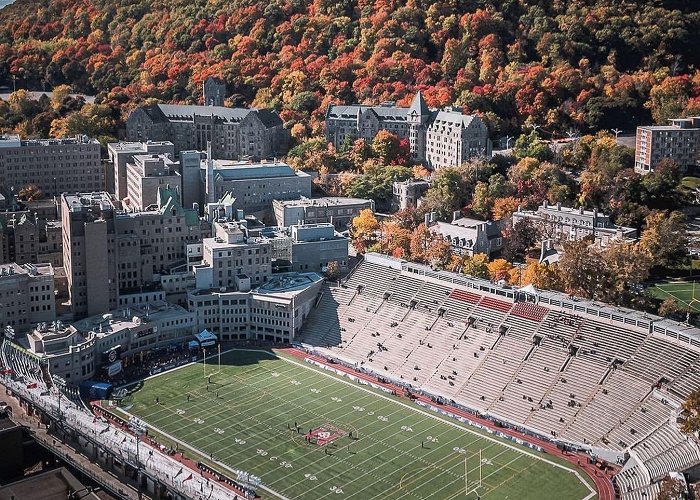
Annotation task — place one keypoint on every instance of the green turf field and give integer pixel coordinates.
(259, 395)
(682, 291)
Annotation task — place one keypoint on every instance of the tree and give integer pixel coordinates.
(389, 149)
(665, 238)
(503, 208)
(30, 193)
(582, 270)
(627, 266)
(519, 239)
(671, 489)
(669, 307)
(531, 146)
(333, 270)
(477, 266)
(363, 230)
(419, 244)
(691, 413)
(500, 269)
(542, 276)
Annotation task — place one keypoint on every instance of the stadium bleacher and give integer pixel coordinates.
(583, 379)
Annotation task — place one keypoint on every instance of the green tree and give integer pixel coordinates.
(531, 146)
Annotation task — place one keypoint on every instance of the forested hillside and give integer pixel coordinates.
(554, 63)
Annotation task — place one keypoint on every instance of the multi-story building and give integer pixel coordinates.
(100, 345)
(338, 211)
(231, 259)
(564, 223)
(109, 251)
(471, 236)
(26, 295)
(55, 166)
(30, 239)
(438, 138)
(306, 247)
(273, 312)
(408, 193)
(146, 174)
(253, 185)
(453, 138)
(234, 133)
(679, 141)
(122, 153)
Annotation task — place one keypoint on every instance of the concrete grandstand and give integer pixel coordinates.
(590, 376)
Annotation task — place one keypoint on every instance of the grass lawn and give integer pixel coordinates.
(682, 291)
(244, 420)
(690, 182)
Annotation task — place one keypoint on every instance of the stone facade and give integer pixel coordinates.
(234, 133)
(437, 138)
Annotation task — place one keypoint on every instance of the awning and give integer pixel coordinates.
(206, 338)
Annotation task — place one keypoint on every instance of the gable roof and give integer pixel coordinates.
(419, 105)
(162, 113)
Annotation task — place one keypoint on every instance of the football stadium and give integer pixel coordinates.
(309, 434)
(405, 382)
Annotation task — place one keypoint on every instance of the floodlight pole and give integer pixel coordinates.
(205, 361)
(139, 429)
(60, 384)
(219, 346)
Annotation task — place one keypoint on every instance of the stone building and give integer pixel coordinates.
(437, 138)
(234, 133)
(559, 223)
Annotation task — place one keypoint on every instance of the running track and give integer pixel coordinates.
(602, 480)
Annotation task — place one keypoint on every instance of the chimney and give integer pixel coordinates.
(455, 215)
(558, 205)
(545, 204)
(580, 210)
(426, 219)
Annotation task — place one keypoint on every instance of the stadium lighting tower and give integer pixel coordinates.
(9, 332)
(139, 429)
(59, 383)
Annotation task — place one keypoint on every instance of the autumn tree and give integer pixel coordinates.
(477, 266)
(499, 269)
(665, 238)
(542, 276)
(30, 192)
(363, 230)
(582, 270)
(389, 149)
(519, 239)
(333, 270)
(691, 413)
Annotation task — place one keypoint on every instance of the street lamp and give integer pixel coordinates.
(59, 383)
(508, 139)
(616, 131)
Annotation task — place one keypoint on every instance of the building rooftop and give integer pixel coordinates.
(51, 485)
(325, 201)
(231, 170)
(288, 283)
(183, 112)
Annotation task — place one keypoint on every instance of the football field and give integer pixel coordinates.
(686, 293)
(291, 424)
